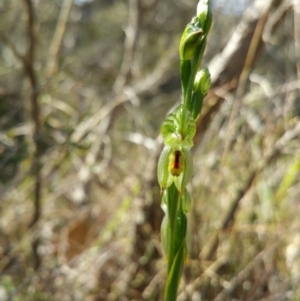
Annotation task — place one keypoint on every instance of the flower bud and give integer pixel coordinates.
(189, 39)
(204, 14)
(202, 81)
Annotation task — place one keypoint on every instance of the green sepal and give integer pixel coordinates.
(185, 177)
(164, 177)
(179, 128)
(189, 39)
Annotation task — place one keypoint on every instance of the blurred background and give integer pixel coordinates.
(84, 88)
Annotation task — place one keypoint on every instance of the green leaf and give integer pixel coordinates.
(197, 103)
(181, 226)
(174, 275)
(172, 199)
(185, 72)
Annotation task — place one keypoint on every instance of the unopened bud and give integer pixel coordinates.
(205, 15)
(202, 81)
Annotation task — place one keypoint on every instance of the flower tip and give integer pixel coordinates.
(204, 14)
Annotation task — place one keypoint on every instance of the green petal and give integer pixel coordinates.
(179, 128)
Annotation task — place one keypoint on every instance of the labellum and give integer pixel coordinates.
(176, 163)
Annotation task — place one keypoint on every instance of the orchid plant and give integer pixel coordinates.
(175, 165)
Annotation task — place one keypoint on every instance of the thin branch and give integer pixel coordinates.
(249, 62)
(132, 33)
(274, 19)
(58, 37)
(297, 36)
(244, 273)
(35, 117)
(144, 87)
(31, 40)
